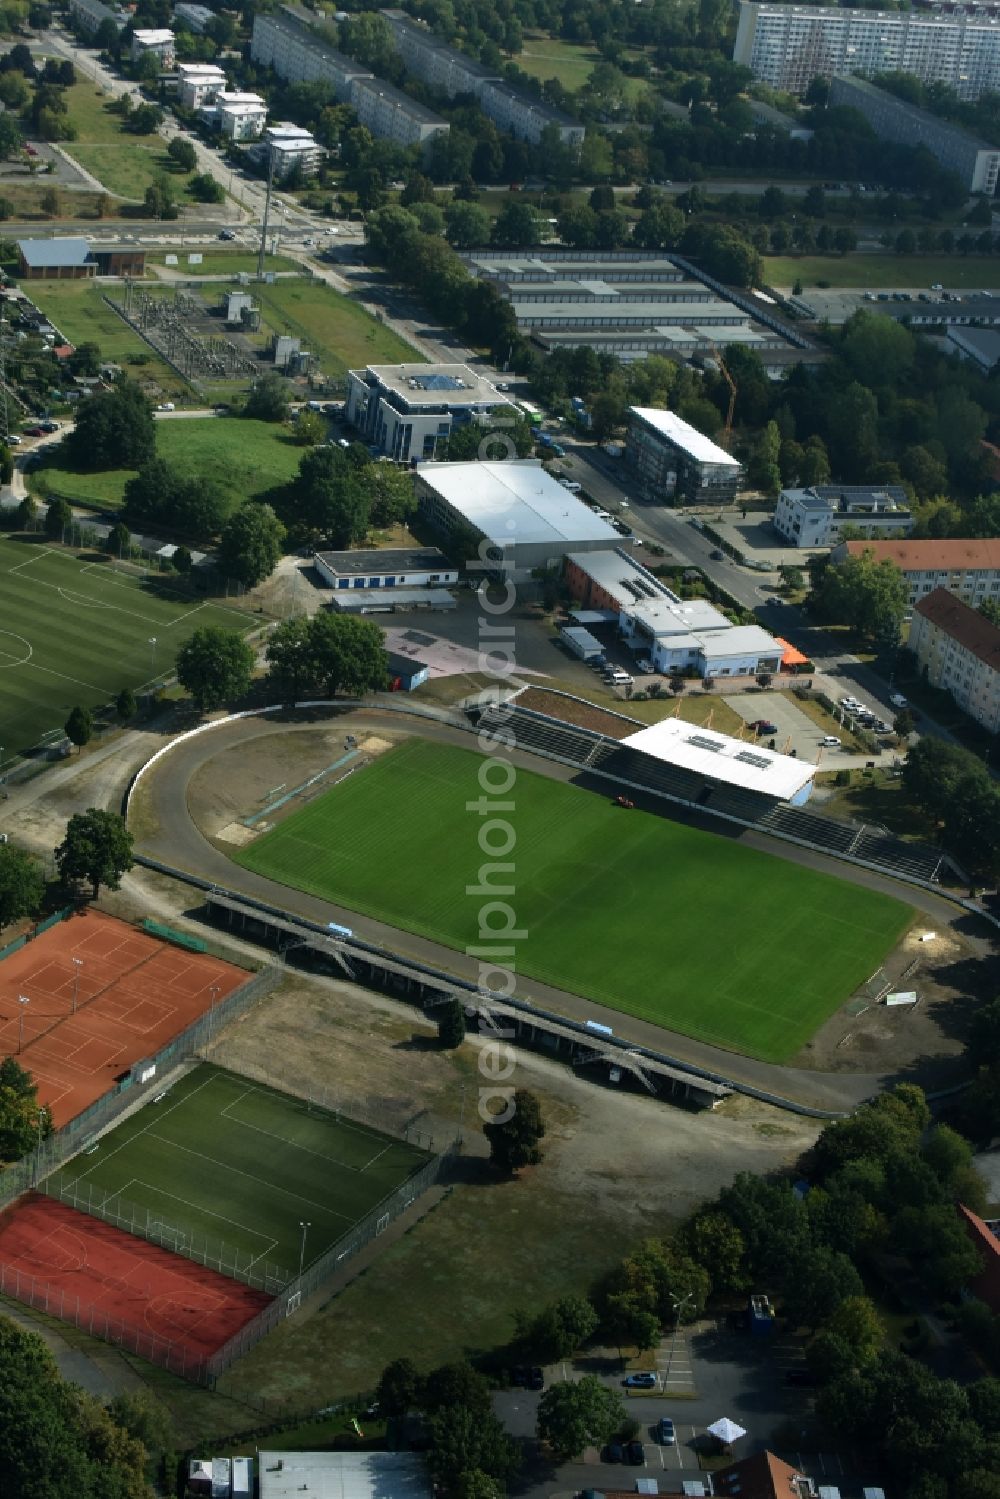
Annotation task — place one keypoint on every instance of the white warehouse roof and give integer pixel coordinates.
(343, 1475)
(723, 758)
(686, 437)
(516, 502)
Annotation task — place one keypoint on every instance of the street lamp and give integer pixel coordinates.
(152, 655)
(305, 1227)
(77, 965)
(213, 995)
(22, 1000)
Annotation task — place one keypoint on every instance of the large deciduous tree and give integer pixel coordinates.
(215, 666)
(22, 1121)
(515, 1133)
(97, 847)
(250, 546)
(869, 595)
(574, 1414)
(22, 884)
(325, 655)
(114, 429)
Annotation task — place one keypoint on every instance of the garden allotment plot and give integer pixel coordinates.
(681, 927)
(220, 1160)
(75, 631)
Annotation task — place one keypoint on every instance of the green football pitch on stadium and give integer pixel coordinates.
(73, 630)
(687, 929)
(221, 1160)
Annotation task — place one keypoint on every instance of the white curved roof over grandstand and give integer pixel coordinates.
(719, 757)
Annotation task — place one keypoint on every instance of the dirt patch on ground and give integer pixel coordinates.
(247, 779)
(573, 710)
(948, 973)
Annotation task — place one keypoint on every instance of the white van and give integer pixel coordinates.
(618, 678)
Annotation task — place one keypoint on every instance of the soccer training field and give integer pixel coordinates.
(236, 1163)
(681, 927)
(76, 631)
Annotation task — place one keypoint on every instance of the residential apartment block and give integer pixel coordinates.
(392, 115)
(407, 409)
(90, 14)
(975, 161)
(445, 68)
(290, 147)
(197, 18)
(672, 459)
(198, 83)
(158, 43)
(789, 45)
(960, 651)
(816, 517)
(240, 117)
(968, 569)
(287, 42)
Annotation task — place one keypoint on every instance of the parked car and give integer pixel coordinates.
(166, 406)
(717, 554)
(34, 432)
(519, 1376)
(227, 233)
(15, 440)
(665, 1433)
(49, 426)
(613, 1453)
(898, 700)
(646, 667)
(764, 726)
(536, 1379)
(635, 1453)
(830, 741)
(639, 1381)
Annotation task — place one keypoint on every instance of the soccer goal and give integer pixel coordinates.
(169, 1236)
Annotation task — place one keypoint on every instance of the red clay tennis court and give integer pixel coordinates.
(83, 1002)
(75, 1267)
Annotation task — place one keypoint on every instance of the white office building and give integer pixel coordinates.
(406, 410)
(514, 514)
(816, 517)
(198, 84)
(685, 634)
(158, 44)
(672, 459)
(392, 115)
(239, 117)
(787, 46)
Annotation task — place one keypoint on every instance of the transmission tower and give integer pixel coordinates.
(4, 422)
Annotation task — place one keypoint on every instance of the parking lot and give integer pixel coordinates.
(793, 729)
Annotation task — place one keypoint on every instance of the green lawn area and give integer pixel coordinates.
(220, 262)
(73, 630)
(79, 311)
(883, 272)
(125, 164)
(549, 57)
(680, 927)
(244, 457)
(339, 330)
(226, 1160)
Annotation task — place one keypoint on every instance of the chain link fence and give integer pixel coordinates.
(143, 1222)
(37, 1293)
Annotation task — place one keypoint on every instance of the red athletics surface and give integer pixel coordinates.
(159, 1293)
(133, 994)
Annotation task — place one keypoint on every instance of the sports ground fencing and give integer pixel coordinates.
(325, 1265)
(132, 1218)
(37, 1293)
(143, 1077)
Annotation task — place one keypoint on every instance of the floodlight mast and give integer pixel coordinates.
(267, 213)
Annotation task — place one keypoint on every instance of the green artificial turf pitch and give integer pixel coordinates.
(681, 927)
(75, 630)
(223, 1160)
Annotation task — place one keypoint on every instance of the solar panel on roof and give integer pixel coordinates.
(700, 742)
(760, 762)
(438, 382)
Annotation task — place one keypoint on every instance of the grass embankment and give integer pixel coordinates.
(883, 272)
(338, 330)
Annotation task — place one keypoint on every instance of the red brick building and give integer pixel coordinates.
(987, 1285)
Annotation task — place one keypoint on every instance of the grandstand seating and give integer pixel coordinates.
(539, 734)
